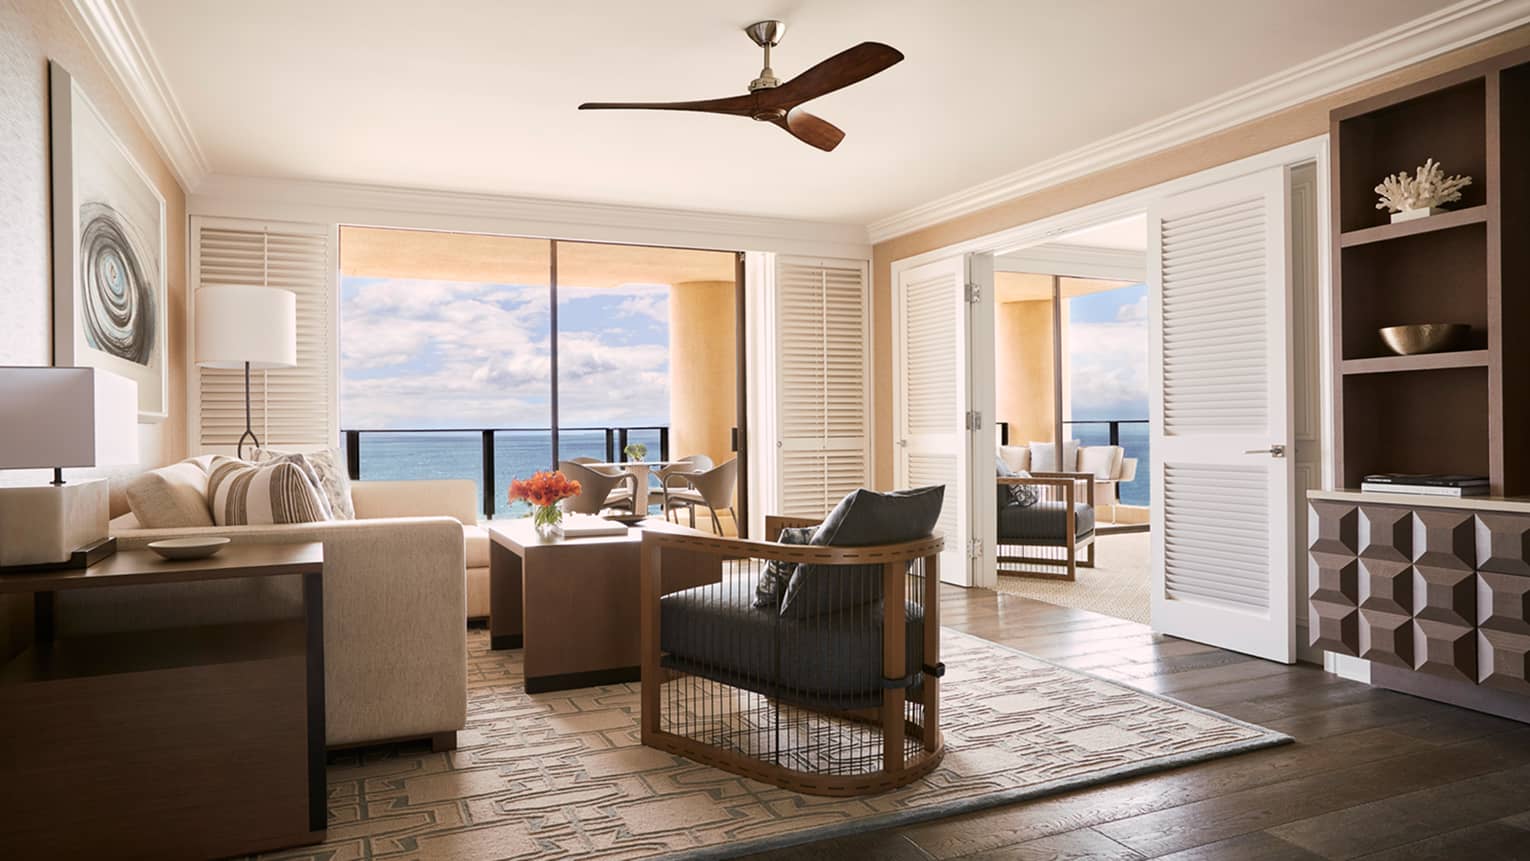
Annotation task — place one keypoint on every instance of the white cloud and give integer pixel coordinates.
(1135, 311)
(654, 306)
(1107, 366)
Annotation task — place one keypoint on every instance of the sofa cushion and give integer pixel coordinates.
(171, 497)
(477, 540)
(334, 479)
(1043, 523)
(1044, 456)
(777, 574)
(281, 491)
(1016, 457)
(862, 519)
(1013, 494)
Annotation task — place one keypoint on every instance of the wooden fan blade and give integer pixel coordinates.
(812, 130)
(736, 105)
(837, 72)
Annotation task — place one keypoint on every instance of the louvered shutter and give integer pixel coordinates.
(822, 344)
(1222, 570)
(290, 407)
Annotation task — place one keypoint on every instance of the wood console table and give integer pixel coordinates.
(572, 603)
(193, 742)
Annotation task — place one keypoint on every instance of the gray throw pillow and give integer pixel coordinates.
(862, 519)
(767, 593)
(334, 481)
(1022, 495)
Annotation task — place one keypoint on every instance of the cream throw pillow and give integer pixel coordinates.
(279, 492)
(334, 480)
(171, 497)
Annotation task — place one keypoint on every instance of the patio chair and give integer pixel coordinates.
(598, 489)
(712, 488)
(814, 668)
(1046, 526)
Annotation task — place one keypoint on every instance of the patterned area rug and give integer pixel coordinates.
(1116, 586)
(564, 776)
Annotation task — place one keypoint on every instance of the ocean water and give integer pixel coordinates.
(459, 454)
(1135, 439)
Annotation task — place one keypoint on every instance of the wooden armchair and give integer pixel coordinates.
(1049, 533)
(840, 702)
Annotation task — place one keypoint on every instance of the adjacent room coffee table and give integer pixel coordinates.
(572, 603)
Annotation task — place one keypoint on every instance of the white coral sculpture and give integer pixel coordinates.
(1428, 188)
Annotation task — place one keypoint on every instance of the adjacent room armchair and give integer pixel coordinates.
(1046, 521)
(813, 662)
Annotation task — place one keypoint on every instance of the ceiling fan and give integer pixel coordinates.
(771, 101)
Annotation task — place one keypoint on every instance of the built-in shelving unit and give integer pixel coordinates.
(1466, 411)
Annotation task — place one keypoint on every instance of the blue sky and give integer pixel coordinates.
(442, 354)
(1108, 354)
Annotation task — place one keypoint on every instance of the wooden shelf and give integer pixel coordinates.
(160, 649)
(1428, 224)
(1421, 362)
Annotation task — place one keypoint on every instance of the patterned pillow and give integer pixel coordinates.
(243, 494)
(1023, 495)
(777, 574)
(334, 480)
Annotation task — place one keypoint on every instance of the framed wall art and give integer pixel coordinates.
(109, 307)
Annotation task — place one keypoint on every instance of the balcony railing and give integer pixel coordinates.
(1115, 427)
(615, 443)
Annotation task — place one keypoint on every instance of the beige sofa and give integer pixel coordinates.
(1108, 464)
(395, 597)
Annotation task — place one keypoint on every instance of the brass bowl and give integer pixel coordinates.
(1424, 337)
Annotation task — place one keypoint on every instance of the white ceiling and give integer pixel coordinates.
(479, 95)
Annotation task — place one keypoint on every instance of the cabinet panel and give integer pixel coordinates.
(1503, 543)
(1503, 660)
(1444, 649)
(1386, 637)
(1386, 533)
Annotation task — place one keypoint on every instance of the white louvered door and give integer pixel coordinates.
(1220, 295)
(290, 407)
(822, 405)
(932, 397)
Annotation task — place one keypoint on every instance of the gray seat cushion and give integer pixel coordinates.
(1044, 522)
(833, 660)
(863, 518)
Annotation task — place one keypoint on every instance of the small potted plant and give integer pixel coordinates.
(635, 451)
(543, 492)
(1420, 195)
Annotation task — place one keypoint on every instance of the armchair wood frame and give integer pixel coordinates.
(1066, 484)
(899, 766)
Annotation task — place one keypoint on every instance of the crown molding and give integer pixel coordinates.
(475, 212)
(1431, 35)
(120, 44)
(1078, 261)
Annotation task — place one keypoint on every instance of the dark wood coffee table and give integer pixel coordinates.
(572, 604)
(179, 742)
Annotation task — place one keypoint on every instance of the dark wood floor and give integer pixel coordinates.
(1372, 774)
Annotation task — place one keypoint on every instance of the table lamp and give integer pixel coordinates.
(249, 327)
(52, 418)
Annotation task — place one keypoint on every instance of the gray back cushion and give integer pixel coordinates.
(862, 519)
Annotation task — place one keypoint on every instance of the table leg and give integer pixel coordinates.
(640, 496)
(313, 618)
(505, 614)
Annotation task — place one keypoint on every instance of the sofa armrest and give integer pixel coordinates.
(444, 497)
(395, 658)
(1128, 470)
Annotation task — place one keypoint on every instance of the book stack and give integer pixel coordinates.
(1429, 485)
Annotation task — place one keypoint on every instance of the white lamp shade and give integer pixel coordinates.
(66, 417)
(239, 323)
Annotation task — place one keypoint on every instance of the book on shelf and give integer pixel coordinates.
(1426, 479)
(1425, 489)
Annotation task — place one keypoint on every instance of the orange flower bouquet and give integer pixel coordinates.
(543, 492)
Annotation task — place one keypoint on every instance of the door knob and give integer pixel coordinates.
(1276, 450)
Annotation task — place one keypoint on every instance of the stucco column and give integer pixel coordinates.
(1023, 372)
(703, 369)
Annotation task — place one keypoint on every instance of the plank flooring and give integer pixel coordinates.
(1373, 774)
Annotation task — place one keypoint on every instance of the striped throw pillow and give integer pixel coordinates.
(243, 494)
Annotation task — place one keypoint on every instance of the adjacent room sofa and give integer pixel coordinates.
(396, 587)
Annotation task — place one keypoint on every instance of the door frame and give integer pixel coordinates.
(1022, 236)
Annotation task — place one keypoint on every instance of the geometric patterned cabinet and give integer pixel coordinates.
(1442, 591)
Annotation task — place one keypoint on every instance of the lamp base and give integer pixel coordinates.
(84, 557)
(45, 525)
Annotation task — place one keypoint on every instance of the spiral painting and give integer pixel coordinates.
(116, 300)
(109, 289)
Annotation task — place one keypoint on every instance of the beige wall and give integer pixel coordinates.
(1293, 124)
(1023, 369)
(703, 369)
(31, 33)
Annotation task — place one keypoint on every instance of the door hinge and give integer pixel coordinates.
(974, 420)
(974, 292)
(974, 548)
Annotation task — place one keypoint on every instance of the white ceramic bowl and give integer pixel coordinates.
(188, 548)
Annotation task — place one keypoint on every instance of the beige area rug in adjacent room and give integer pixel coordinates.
(564, 776)
(1116, 586)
